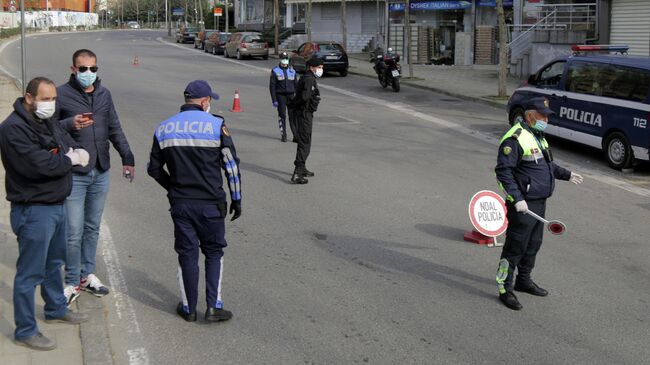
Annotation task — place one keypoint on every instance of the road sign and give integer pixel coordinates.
(218, 12)
(487, 211)
(178, 11)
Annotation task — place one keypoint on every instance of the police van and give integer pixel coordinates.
(600, 100)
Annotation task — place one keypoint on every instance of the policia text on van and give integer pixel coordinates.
(600, 100)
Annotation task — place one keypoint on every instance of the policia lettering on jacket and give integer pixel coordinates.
(196, 146)
(526, 172)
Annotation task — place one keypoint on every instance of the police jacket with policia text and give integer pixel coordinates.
(525, 167)
(307, 93)
(73, 100)
(284, 80)
(195, 146)
(33, 154)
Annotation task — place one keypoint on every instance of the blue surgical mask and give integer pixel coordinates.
(86, 78)
(540, 125)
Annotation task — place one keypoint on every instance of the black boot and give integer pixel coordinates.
(217, 315)
(531, 288)
(190, 317)
(297, 178)
(509, 299)
(284, 138)
(306, 173)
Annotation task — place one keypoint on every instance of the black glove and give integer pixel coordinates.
(235, 209)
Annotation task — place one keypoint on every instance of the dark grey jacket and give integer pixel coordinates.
(73, 100)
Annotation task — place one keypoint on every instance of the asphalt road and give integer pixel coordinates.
(366, 263)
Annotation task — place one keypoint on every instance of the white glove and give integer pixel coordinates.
(521, 206)
(576, 178)
(84, 157)
(74, 157)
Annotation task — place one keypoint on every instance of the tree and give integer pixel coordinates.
(503, 50)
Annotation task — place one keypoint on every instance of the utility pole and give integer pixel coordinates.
(309, 21)
(168, 24)
(407, 49)
(201, 15)
(23, 54)
(226, 16)
(276, 7)
(137, 11)
(378, 27)
(503, 50)
(344, 25)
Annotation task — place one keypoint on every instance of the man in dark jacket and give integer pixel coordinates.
(282, 86)
(88, 114)
(526, 172)
(194, 146)
(38, 156)
(306, 103)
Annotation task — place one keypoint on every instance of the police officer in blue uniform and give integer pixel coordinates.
(195, 146)
(283, 89)
(526, 172)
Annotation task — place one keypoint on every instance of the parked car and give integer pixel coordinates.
(133, 25)
(186, 35)
(216, 42)
(246, 44)
(599, 100)
(332, 53)
(199, 40)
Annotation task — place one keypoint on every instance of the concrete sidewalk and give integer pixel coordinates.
(475, 83)
(69, 350)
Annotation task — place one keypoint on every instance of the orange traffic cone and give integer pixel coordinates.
(236, 107)
(136, 61)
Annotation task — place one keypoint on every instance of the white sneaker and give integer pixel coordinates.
(71, 293)
(93, 285)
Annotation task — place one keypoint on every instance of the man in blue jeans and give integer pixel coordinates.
(38, 156)
(88, 114)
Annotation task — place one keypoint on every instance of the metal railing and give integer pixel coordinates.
(574, 16)
(523, 40)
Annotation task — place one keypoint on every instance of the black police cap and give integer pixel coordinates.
(314, 62)
(540, 104)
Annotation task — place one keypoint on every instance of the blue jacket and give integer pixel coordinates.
(284, 80)
(527, 179)
(33, 154)
(72, 100)
(194, 146)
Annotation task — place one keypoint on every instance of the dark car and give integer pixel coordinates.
(333, 56)
(186, 35)
(199, 40)
(216, 42)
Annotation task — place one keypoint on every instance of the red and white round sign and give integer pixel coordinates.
(487, 211)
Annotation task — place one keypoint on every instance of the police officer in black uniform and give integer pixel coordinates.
(526, 171)
(306, 103)
(283, 88)
(195, 146)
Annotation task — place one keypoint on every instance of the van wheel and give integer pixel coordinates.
(517, 116)
(618, 152)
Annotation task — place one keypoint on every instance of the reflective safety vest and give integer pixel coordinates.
(279, 73)
(533, 147)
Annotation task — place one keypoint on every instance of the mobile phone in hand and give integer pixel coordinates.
(87, 115)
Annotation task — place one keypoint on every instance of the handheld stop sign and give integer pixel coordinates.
(555, 227)
(487, 212)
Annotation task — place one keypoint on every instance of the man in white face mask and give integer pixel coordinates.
(306, 103)
(38, 156)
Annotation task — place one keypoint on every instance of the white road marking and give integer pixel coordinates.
(123, 306)
(349, 121)
(64, 38)
(408, 110)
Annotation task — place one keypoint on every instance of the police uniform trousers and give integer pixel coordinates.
(283, 108)
(199, 226)
(304, 124)
(523, 241)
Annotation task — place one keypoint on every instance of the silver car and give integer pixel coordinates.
(246, 44)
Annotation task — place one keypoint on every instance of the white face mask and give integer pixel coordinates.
(284, 62)
(319, 72)
(45, 109)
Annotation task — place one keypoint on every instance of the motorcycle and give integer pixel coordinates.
(388, 69)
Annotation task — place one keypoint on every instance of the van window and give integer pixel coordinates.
(551, 75)
(586, 77)
(627, 83)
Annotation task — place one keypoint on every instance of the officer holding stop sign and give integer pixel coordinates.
(526, 172)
